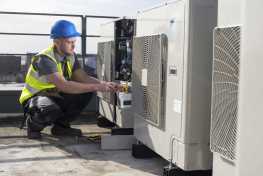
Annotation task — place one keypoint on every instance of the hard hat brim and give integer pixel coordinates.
(62, 36)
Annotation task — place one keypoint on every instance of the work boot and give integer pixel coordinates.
(61, 130)
(32, 133)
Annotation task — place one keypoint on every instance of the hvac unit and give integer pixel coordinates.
(225, 88)
(171, 81)
(114, 63)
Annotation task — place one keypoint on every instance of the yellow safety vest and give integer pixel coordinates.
(35, 83)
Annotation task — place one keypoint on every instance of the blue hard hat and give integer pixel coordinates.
(63, 29)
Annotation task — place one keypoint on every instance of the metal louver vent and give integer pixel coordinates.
(104, 67)
(100, 60)
(225, 91)
(148, 75)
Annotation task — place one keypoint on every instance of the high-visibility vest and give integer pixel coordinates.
(35, 83)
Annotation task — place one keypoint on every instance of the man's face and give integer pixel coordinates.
(67, 45)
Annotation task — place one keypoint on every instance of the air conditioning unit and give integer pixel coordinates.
(114, 63)
(225, 88)
(236, 131)
(171, 80)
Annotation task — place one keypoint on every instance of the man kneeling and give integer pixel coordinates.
(56, 88)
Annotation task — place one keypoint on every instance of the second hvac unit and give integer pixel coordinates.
(114, 63)
(172, 71)
(224, 107)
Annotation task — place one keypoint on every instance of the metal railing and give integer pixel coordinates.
(84, 35)
(83, 19)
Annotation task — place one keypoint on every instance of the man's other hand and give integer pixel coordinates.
(108, 86)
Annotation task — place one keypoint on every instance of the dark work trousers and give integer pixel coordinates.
(42, 111)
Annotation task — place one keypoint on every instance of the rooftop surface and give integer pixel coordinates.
(67, 156)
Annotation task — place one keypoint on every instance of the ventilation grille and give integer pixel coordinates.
(100, 60)
(104, 67)
(149, 66)
(225, 91)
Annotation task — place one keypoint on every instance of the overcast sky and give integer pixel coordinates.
(37, 24)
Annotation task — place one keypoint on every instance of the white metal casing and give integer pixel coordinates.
(250, 143)
(124, 116)
(188, 25)
(106, 31)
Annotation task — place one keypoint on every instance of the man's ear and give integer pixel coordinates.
(56, 42)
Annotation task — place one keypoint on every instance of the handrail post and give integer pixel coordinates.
(83, 38)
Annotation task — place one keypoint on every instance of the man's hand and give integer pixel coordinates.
(116, 87)
(108, 87)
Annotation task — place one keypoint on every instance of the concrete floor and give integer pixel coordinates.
(67, 156)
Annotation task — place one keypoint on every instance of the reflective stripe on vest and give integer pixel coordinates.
(35, 83)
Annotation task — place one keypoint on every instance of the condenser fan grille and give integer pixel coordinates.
(225, 91)
(149, 64)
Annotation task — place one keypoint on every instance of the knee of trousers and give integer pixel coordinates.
(39, 120)
(44, 112)
(47, 116)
